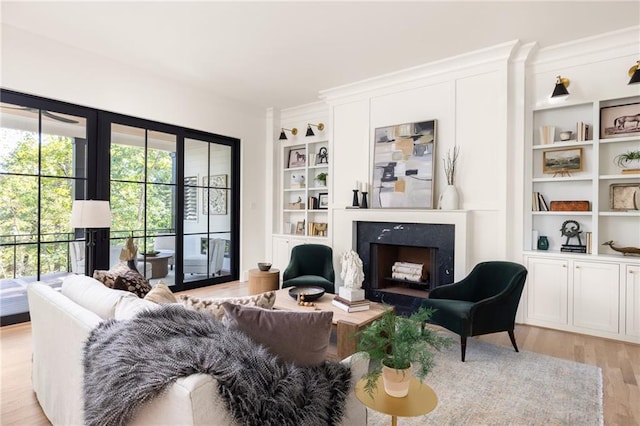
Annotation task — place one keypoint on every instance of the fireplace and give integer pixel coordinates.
(381, 245)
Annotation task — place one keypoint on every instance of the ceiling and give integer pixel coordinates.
(281, 54)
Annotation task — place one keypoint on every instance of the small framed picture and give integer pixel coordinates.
(562, 161)
(300, 228)
(620, 120)
(297, 158)
(323, 200)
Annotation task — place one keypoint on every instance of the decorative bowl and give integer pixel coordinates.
(311, 293)
(264, 266)
(565, 136)
(151, 253)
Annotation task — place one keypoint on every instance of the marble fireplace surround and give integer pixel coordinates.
(386, 237)
(345, 223)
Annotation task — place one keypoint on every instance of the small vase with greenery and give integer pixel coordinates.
(629, 159)
(400, 343)
(322, 178)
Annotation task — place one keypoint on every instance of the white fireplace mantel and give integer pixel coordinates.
(344, 235)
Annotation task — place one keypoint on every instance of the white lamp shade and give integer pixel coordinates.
(90, 214)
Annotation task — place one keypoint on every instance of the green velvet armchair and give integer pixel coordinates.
(484, 302)
(310, 264)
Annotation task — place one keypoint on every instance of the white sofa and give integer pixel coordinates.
(61, 322)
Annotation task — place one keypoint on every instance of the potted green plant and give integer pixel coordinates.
(321, 178)
(396, 345)
(628, 160)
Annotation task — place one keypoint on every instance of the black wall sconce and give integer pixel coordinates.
(634, 73)
(283, 136)
(320, 127)
(561, 87)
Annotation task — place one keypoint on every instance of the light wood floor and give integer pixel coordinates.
(620, 363)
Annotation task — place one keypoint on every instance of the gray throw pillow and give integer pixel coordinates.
(301, 338)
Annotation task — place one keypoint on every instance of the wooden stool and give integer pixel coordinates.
(263, 281)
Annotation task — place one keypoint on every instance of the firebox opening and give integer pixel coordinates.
(412, 266)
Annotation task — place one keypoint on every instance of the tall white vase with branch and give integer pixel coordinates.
(449, 199)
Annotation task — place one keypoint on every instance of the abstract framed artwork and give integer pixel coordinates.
(403, 166)
(214, 195)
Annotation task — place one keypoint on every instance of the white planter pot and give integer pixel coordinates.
(449, 199)
(396, 382)
(631, 164)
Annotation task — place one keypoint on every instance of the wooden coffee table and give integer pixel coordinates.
(346, 324)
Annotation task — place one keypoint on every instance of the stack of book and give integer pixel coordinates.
(583, 132)
(351, 306)
(538, 203)
(312, 202)
(407, 271)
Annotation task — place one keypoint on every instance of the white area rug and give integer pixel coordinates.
(498, 386)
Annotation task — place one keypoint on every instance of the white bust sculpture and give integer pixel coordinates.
(352, 274)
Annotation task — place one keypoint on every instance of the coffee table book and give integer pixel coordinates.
(345, 305)
(348, 308)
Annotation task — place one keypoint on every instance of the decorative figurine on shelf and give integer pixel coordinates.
(323, 156)
(626, 251)
(571, 229)
(297, 181)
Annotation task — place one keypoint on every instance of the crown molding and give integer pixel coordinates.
(613, 44)
(454, 64)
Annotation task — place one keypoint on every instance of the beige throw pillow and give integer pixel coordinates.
(298, 337)
(161, 293)
(213, 305)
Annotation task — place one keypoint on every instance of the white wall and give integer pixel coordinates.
(468, 97)
(43, 67)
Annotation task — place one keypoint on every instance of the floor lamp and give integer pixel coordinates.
(90, 215)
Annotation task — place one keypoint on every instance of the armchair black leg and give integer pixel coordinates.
(463, 346)
(513, 340)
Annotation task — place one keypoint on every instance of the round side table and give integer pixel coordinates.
(262, 281)
(420, 400)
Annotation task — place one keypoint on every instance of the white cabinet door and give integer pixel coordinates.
(281, 253)
(596, 294)
(282, 247)
(547, 291)
(632, 323)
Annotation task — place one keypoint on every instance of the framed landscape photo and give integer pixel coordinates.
(620, 121)
(562, 161)
(297, 158)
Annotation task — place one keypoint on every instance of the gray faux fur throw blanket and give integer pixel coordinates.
(173, 342)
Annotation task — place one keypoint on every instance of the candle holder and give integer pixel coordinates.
(364, 204)
(355, 199)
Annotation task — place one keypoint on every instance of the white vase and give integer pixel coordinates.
(396, 382)
(449, 199)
